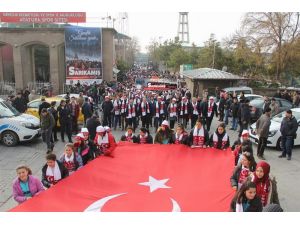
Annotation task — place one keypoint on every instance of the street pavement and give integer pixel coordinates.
(33, 154)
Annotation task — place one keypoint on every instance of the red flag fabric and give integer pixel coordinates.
(144, 178)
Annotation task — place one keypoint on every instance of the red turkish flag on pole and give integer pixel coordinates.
(144, 178)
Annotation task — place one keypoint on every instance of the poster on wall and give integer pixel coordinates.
(83, 50)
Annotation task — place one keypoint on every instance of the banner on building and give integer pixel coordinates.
(83, 50)
(43, 17)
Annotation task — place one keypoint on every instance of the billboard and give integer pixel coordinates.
(83, 50)
(43, 17)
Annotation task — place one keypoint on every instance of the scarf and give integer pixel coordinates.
(102, 142)
(263, 184)
(159, 108)
(173, 109)
(195, 110)
(53, 175)
(216, 140)
(143, 140)
(69, 163)
(210, 108)
(198, 137)
(128, 138)
(123, 105)
(183, 108)
(145, 108)
(178, 138)
(245, 172)
(131, 111)
(117, 107)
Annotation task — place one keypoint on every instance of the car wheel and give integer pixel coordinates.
(278, 144)
(9, 138)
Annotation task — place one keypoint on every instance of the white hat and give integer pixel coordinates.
(80, 135)
(245, 132)
(183, 97)
(174, 99)
(211, 97)
(165, 122)
(158, 97)
(84, 130)
(100, 129)
(107, 128)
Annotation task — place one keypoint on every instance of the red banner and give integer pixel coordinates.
(144, 178)
(43, 17)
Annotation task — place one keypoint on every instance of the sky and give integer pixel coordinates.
(158, 19)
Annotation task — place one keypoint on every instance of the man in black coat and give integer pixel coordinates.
(65, 120)
(19, 103)
(288, 129)
(91, 124)
(245, 116)
(43, 105)
(107, 107)
(86, 110)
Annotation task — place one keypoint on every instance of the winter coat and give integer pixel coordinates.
(86, 110)
(245, 113)
(64, 114)
(63, 170)
(35, 187)
(43, 105)
(134, 138)
(234, 179)
(107, 107)
(161, 135)
(255, 205)
(19, 104)
(77, 160)
(92, 124)
(289, 127)
(234, 108)
(206, 137)
(149, 139)
(219, 144)
(184, 140)
(263, 126)
(47, 121)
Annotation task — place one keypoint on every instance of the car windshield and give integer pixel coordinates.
(278, 118)
(7, 110)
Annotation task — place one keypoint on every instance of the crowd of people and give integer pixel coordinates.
(170, 114)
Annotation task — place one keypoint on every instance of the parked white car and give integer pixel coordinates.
(274, 134)
(17, 127)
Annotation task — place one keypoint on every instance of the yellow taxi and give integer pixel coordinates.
(33, 107)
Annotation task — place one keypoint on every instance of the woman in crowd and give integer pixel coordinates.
(164, 134)
(71, 160)
(180, 136)
(220, 139)
(105, 142)
(266, 188)
(246, 199)
(26, 186)
(53, 171)
(129, 136)
(239, 150)
(81, 148)
(199, 136)
(243, 170)
(144, 137)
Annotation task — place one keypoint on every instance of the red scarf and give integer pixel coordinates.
(143, 140)
(198, 137)
(70, 165)
(210, 108)
(263, 184)
(243, 175)
(145, 108)
(183, 109)
(123, 105)
(159, 108)
(195, 111)
(216, 140)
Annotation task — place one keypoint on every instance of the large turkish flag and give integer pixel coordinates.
(144, 178)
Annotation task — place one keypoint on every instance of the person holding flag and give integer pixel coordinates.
(180, 136)
(105, 142)
(129, 136)
(164, 134)
(220, 139)
(53, 171)
(199, 136)
(70, 159)
(144, 137)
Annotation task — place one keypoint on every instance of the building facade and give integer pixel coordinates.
(28, 55)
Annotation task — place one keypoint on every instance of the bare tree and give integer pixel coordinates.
(275, 31)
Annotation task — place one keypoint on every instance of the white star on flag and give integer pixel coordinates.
(155, 184)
